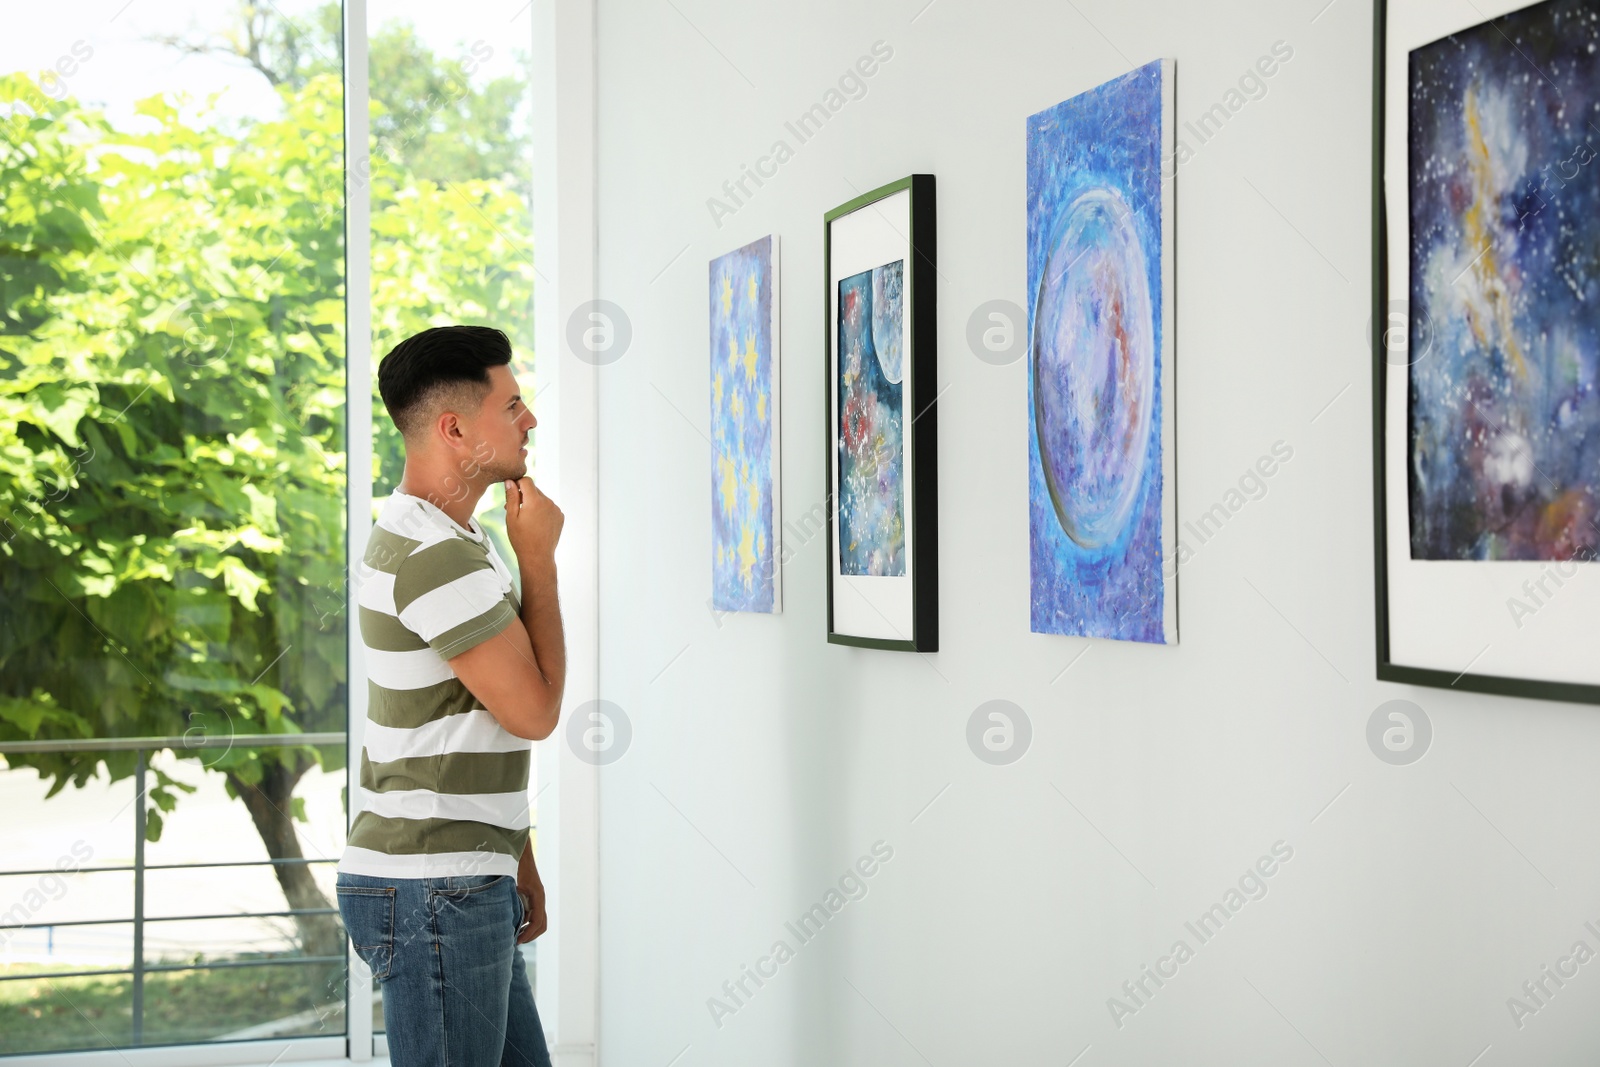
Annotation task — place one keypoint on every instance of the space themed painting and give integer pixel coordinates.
(1100, 362)
(1504, 420)
(1486, 368)
(881, 488)
(872, 523)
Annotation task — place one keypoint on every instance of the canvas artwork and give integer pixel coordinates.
(1100, 361)
(881, 419)
(1504, 423)
(872, 521)
(1486, 346)
(745, 522)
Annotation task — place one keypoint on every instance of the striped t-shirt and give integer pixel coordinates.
(444, 785)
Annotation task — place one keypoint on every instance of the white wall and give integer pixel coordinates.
(765, 761)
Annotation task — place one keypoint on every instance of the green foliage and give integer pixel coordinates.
(172, 401)
(433, 121)
(171, 429)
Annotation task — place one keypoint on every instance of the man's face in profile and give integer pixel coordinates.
(501, 427)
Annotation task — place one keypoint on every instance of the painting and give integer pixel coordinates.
(872, 524)
(1100, 440)
(1504, 434)
(746, 526)
(1486, 346)
(881, 490)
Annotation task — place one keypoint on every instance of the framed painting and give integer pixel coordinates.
(1102, 513)
(746, 503)
(1486, 346)
(882, 491)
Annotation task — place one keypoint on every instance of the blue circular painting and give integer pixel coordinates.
(1094, 367)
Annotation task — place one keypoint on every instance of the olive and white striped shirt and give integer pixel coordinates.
(444, 785)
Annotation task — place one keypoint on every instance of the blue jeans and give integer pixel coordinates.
(444, 951)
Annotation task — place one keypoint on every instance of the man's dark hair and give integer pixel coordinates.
(429, 369)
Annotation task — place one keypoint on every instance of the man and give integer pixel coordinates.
(437, 885)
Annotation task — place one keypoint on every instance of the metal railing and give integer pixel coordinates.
(141, 747)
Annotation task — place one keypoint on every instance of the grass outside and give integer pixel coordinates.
(44, 1014)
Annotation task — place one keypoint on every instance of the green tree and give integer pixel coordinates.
(172, 469)
(432, 120)
(436, 138)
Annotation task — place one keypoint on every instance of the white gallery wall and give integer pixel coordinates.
(1007, 904)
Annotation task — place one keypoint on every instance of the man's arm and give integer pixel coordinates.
(541, 618)
(520, 674)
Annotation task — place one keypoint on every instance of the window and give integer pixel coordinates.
(452, 219)
(173, 479)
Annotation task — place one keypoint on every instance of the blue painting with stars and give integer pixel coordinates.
(1504, 376)
(745, 552)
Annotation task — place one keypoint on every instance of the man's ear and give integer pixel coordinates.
(449, 430)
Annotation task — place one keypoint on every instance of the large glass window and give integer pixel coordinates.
(452, 219)
(174, 696)
(172, 489)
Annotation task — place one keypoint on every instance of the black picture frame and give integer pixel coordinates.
(1387, 669)
(922, 430)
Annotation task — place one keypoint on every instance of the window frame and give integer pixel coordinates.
(565, 465)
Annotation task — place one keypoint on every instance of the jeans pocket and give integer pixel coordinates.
(368, 913)
(473, 907)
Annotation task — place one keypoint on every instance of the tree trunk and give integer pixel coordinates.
(268, 803)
